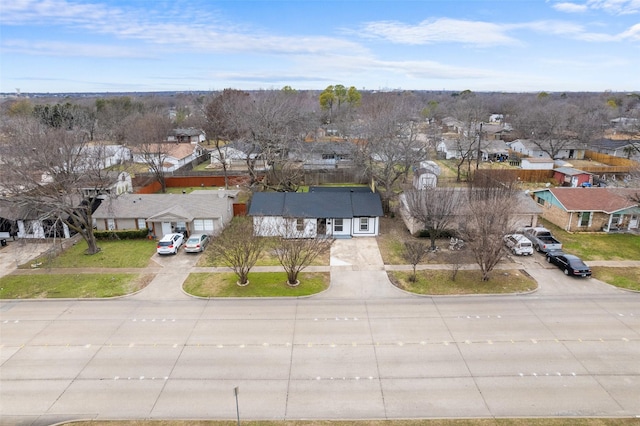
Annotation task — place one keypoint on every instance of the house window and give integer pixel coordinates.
(299, 225)
(337, 225)
(364, 224)
(111, 224)
(540, 201)
(584, 219)
(142, 224)
(616, 219)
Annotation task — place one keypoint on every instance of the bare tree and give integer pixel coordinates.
(413, 252)
(390, 147)
(489, 217)
(276, 119)
(546, 123)
(225, 122)
(239, 247)
(56, 175)
(434, 208)
(147, 136)
(295, 251)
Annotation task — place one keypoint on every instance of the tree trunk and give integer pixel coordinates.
(92, 244)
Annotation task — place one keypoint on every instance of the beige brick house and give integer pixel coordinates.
(590, 209)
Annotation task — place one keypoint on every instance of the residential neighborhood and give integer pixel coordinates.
(352, 247)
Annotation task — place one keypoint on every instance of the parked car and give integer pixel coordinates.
(542, 239)
(170, 244)
(518, 244)
(196, 243)
(570, 264)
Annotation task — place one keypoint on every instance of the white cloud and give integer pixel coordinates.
(67, 49)
(614, 7)
(439, 30)
(570, 7)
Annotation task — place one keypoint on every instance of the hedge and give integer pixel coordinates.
(127, 234)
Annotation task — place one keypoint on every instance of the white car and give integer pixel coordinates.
(196, 243)
(170, 244)
(518, 244)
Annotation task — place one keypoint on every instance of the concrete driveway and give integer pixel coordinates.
(19, 252)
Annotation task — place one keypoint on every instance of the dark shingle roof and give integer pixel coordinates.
(330, 204)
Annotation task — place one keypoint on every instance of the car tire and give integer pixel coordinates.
(566, 271)
(538, 248)
(548, 259)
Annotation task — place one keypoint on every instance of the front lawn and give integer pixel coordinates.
(628, 278)
(70, 285)
(596, 246)
(439, 282)
(261, 284)
(114, 254)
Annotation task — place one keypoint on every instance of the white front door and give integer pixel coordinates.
(633, 222)
(166, 228)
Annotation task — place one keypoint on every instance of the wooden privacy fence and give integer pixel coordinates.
(510, 175)
(610, 160)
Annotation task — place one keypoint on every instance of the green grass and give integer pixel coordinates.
(597, 246)
(439, 282)
(572, 421)
(70, 285)
(261, 284)
(114, 254)
(628, 278)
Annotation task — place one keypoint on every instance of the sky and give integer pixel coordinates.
(59, 46)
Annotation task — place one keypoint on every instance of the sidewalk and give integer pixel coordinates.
(356, 267)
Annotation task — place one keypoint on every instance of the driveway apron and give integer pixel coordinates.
(357, 271)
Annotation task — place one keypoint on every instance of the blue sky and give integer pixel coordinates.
(157, 45)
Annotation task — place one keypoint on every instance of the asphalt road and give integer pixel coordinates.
(362, 350)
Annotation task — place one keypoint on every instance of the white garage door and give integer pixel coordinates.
(203, 225)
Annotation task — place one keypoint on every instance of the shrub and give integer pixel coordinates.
(127, 234)
(447, 233)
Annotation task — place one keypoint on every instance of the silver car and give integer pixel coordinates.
(196, 243)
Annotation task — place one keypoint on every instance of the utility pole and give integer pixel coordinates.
(479, 146)
(236, 390)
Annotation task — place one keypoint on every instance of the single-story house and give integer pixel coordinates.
(452, 125)
(527, 147)
(494, 150)
(544, 163)
(322, 155)
(454, 148)
(341, 212)
(17, 221)
(625, 148)
(569, 149)
(173, 155)
(590, 209)
(206, 211)
(235, 154)
(188, 135)
(525, 215)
